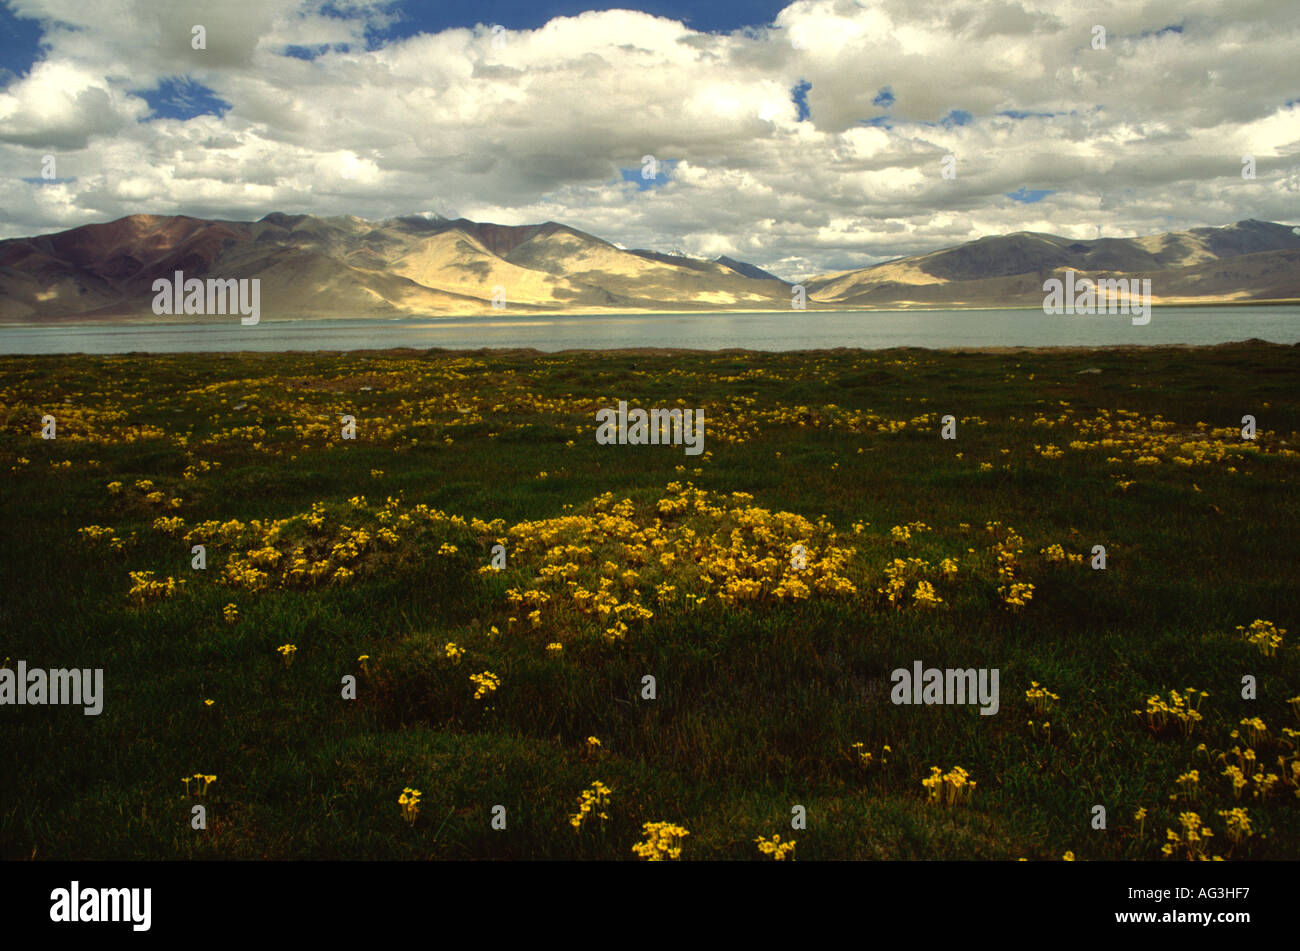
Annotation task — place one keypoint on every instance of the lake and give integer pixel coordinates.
(795, 330)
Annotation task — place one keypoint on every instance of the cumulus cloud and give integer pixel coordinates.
(519, 126)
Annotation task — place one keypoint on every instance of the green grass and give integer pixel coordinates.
(758, 704)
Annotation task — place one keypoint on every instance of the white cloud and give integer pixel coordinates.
(1143, 136)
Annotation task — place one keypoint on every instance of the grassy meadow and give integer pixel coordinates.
(370, 557)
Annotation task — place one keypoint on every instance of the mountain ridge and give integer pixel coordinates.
(1009, 269)
(413, 265)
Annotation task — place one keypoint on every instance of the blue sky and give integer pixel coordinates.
(19, 41)
(703, 15)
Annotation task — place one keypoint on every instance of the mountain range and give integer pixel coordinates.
(413, 266)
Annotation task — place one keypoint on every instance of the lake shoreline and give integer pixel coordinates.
(971, 330)
(620, 352)
(520, 312)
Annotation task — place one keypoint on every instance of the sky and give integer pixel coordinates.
(803, 137)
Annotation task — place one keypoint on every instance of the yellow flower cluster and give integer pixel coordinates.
(1015, 594)
(486, 684)
(903, 533)
(865, 758)
(1040, 698)
(1140, 817)
(435, 397)
(1055, 553)
(1238, 823)
(1128, 436)
(145, 588)
(1179, 710)
(193, 470)
(924, 594)
(1194, 838)
(1187, 784)
(953, 788)
(409, 800)
(1265, 635)
(775, 848)
(663, 841)
(616, 565)
(897, 575)
(1237, 777)
(201, 783)
(287, 651)
(1256, 731)
(92, 534)
(454, 652)
(1247, 770)
(591, 802)
(172, 525)
(693, 546)
(230, 613)
(306, 549)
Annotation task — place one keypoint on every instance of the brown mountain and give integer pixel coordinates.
(412, 266)
(327, 267)
(1251, 260)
